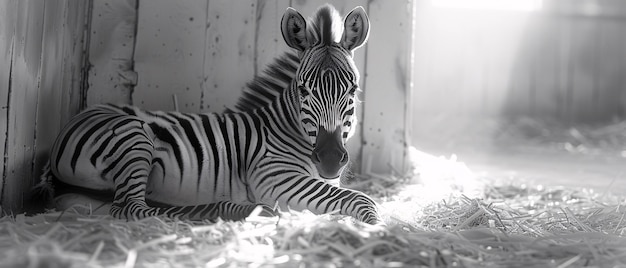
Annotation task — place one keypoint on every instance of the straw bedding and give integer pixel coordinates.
(485, 223)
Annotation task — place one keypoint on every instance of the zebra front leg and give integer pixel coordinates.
(137, 209)
(225, 210)
(320, 198)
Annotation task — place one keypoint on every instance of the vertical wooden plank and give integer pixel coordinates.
(601, 75)
(582, 97)
(49, 103)
(518, 102)
(597, 111)
(531, 58)
(269, 42)
(612, 60)
(61, 72)
(499, 80)
(621, 88)
(111, 48)
(564, 70)
(608, 79)
(8, 20)
(387, 82)
(75, 65)
(24, 85)
(423, 66)
(36, 74)
(169, 57)
(545, 68)
(620, 109)
(488, 90)
(229, 52)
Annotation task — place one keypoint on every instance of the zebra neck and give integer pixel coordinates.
(284, 113)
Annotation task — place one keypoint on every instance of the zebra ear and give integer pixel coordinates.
(293, 27)
(356, 29)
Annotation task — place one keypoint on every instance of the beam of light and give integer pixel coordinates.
(442, 176)
(511, 5)
(437, 179)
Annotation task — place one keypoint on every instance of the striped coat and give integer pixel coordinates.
(284, 146)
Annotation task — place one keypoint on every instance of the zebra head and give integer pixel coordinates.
(327, 80)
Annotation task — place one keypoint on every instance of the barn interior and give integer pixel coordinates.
(491, 132)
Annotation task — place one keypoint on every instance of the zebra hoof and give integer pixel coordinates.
(376, 222)
(268, 211)
(381, 224)
(261, 210)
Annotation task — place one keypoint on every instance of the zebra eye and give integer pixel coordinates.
(352, 90)
(303, 91)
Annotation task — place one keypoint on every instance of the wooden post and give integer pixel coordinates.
(112, 77)
(229, 55)
(25, 74)
(387, 87)
(268, 41)
(8, 20)
(63, 72)
(40, 66)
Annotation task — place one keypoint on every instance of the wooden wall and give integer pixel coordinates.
(59, 56)
(201, 53)
(566, 62)
(41, 49)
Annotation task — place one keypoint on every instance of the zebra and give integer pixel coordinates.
(282, 147)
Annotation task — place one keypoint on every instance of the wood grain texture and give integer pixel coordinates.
(111, 51)
(22, 103)
(41, 66)
(229, 52)
(387, 87)
(269, 41)
(62, 72)
(8, 19)
(170, 54)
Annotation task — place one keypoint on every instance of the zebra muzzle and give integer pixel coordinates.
(329, 155)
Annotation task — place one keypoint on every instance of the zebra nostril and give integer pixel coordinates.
(315, 158)
(344, 158)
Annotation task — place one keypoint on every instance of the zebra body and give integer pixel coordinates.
(285, 146)
(189, 153)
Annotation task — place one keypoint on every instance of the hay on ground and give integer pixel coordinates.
(494, 225)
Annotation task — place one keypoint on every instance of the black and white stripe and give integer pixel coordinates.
(223, 165)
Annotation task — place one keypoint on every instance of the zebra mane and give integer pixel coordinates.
(265, 88)
(324, 27)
